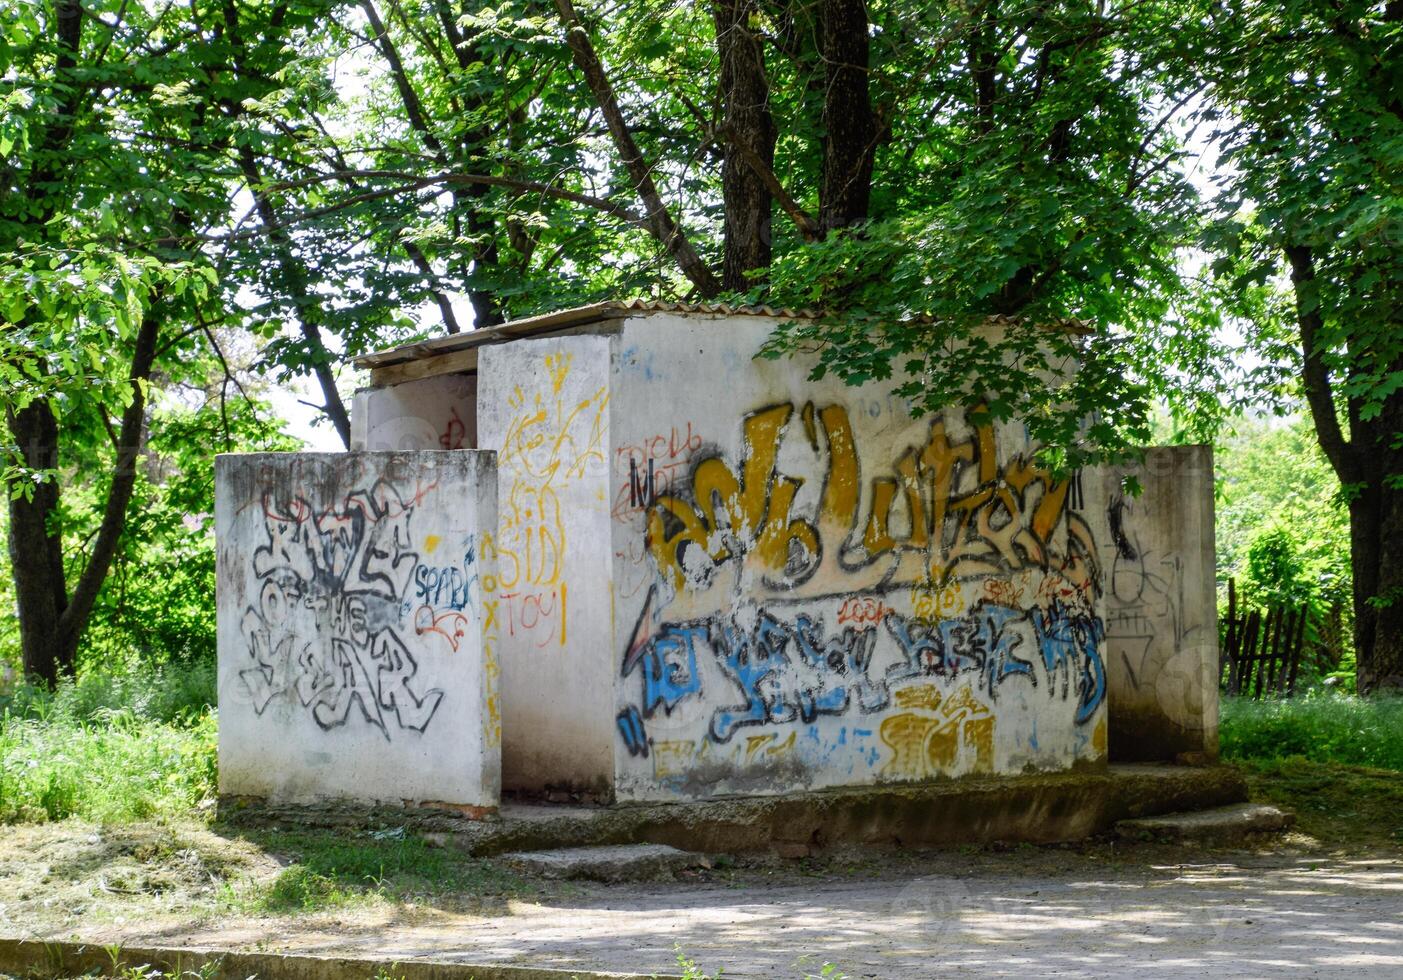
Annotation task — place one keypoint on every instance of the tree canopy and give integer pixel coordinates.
(332, 176)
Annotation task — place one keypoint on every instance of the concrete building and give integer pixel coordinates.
(714, 576)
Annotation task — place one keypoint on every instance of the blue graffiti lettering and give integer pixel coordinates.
(1071, 645)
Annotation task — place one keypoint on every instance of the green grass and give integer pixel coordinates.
(108, 747)
(115, 767)
(1350, 807)
(328, 871)
(1328, 728)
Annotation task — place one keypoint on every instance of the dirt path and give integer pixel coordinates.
(1252, 917)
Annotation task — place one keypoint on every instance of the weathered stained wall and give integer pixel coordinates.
(1161, 610)
(432, 413)
(543, 405)
(350, 607)
(813, 589)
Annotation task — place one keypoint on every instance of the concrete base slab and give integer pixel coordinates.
(615, 862)
(1037, 808)
(1213, 824)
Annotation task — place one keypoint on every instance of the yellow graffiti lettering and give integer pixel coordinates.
(926, 742)
(754, 743)
(672, 758)
(948, 503)
(749, 513)
(549, 442)
(558, 367)
(492, 720)
(917, 696)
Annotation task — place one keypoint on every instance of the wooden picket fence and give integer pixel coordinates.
(1262, 649)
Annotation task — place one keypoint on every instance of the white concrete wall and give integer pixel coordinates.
(1157, 552)
(543, 405)
(350, 606)
(813, 589)
(431, 413)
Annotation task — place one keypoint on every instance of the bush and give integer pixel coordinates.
(1283, 533)
(1327, 728)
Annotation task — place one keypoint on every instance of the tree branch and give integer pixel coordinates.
(413, 108)
(114, 515)
(656, 217)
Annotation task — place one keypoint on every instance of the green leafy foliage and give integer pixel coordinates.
(1306, 108)
(109, 745)
(1058, 200)
(156, 694)
(156, 604)
(1283, 533)
(330, 177)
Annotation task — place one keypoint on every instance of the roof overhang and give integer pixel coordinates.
(457, 353)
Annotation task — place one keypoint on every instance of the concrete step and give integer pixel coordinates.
(1216, 824)
(613, 862)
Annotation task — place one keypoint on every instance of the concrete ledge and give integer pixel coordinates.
(32, 958)
(1038, 808)
(1218, 823)
(609, 862)
(1044, 808)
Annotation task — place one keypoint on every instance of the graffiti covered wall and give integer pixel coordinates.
(814, 589)
(544, 406)
(1160, 606)
(351, 613)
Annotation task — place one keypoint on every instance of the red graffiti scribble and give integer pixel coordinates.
(453, 433)
(650, 466)
(541, 614)
(386, 507)
(299, 511)
(1003, 592)
(862, 609)
(449, 625)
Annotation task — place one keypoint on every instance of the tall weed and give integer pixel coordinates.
(167, 693)
(109, 746)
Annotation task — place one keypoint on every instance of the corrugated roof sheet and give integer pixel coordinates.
(578, 316)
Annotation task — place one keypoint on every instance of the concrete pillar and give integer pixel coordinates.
(1157, 558)
(544, 406)
(351, 654)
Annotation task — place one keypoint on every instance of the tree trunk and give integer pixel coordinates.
(131, 440)
(308, 306)
(36, 551)
(850, 126)
(1376, 558)
(750, 136)
(656, 217)
(297, 275)
(51, 621)
(1369, 466)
